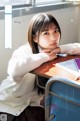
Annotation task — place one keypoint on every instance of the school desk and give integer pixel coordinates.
(48, 69)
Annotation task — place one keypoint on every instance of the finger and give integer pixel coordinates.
(55, 51)
(46, 50)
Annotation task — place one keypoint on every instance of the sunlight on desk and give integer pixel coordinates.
(49, 69)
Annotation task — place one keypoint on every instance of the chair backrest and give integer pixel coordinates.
(62, 100)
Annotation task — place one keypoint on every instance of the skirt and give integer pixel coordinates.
(31, 113)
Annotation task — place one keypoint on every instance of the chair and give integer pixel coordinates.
(62, 100)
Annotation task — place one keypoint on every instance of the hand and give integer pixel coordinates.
(50, 56)
(56, 51)
(52, 51)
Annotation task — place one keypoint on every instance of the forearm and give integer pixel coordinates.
(19, 66)
(72, 49)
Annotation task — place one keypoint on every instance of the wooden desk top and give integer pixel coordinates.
(48, 69)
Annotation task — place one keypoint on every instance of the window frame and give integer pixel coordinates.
(26, 9)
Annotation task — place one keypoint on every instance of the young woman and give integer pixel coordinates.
(18, 97)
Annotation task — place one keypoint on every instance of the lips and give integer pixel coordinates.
(52, 44)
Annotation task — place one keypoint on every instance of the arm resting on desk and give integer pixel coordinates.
(72, 48)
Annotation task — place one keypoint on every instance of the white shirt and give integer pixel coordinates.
(17, 90)
(71, 49)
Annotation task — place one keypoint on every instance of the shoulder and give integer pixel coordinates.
(23, 49)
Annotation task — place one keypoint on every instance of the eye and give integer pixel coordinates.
(56, 30)
(46, 33)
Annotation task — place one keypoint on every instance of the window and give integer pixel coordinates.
(22, 3)
(38, 2)
(13, 2)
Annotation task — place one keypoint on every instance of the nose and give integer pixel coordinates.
(52, 38)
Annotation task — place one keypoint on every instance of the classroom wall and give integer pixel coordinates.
(68, 18)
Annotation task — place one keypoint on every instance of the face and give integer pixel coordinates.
(49, 39)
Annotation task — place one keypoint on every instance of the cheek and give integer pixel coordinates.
(43, 42)
(58, 38)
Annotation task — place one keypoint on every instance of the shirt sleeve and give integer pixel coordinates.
(23, 61)
(72, 48)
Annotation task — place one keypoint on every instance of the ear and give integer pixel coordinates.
(35, 39)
